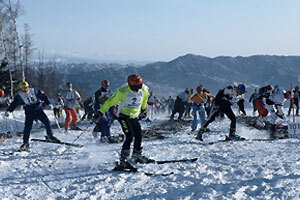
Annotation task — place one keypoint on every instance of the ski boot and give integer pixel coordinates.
(200, 133)
(137, 157)
(234, 136)
(75, 128)
(24, 147)
(123, 164)
(51, 138)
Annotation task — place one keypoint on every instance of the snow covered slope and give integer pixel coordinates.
(229, 170)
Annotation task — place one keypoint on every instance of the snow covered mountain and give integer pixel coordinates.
(188, 71)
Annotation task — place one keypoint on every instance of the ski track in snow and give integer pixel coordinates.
(229, 170)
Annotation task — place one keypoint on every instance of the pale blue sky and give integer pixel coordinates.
(161, 30)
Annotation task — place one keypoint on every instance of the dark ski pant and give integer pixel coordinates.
(30, 116)
(178, 108)
(241, 105)
(131, 128)
(103, 126)
(223, 108)
(296, 102)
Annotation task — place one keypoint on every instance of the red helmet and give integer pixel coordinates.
(2, 93)
(135, 82)
(134, 79)
(105, 83)
(269, 87)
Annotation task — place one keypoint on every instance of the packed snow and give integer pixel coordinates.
(228, 170)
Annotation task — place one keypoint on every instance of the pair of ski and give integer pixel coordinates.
(244, 139)
(136, 170)
(7, 153)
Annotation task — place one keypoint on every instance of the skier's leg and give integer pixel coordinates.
(202, 114)
(68, 118)
(28, 126)
(229, 113)
(127, 132)
(74, 116)
(195, 120)
(45, 120)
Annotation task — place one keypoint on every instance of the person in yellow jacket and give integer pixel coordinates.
(132, 100)
(199, 99)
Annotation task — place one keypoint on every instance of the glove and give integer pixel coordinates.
(143, 114)
(97, 116)
(50, 106)
(7, 113)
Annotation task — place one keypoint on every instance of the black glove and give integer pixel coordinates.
(143, 114)
(97, 116)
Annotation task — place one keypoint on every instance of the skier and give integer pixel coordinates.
(263, 94)
(275, 103)
(199, 99)
(88, 108)
(132, 101)
(103, 124)
(33, 102)
(222, 103)
(151, 105)
(296, 93)
(58, 106)
(71, 97)
(189, 105)
(179, 104)
(252, 100)
(170, 104)
(241, 105)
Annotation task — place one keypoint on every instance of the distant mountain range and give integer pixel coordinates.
(188, 71)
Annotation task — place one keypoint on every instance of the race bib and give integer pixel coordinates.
(29, 98)
(134, 100)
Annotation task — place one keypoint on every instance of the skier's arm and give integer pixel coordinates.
(77, 96)
(251, 98)
(96, 102)
(16, 102)
(41, 95)
(210, 95)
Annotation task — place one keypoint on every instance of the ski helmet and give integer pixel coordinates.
(105, 83)
(241, 88)
(135, 82)
(297, 87)
(199, 88)
(2, 93)
(269, 87)
(69, 84)
(23, 84)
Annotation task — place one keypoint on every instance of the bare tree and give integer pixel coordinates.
(14, 11)
(41, 72)
(27, 47)
(5, 42)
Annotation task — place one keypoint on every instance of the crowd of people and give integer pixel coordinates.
(133, 102)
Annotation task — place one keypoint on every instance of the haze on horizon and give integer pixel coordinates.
(161, 30)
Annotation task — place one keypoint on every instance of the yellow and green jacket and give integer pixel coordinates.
(130, 103)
